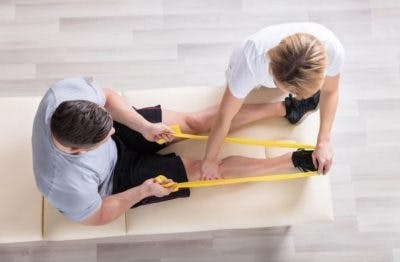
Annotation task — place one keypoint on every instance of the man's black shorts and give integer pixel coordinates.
(138, 160)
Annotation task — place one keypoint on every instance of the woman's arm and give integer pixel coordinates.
(228, 108)
(323, 154)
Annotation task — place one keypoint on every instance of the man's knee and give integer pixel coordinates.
(195, 124)
(192, 168)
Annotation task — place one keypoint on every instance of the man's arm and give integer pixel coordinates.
(114, 206)
(322, 156)
(125, 114)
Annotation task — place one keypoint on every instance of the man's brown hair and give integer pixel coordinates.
(80, 123)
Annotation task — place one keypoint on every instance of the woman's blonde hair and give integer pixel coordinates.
(298, 62)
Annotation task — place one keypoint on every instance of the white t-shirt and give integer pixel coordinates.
(249, 64)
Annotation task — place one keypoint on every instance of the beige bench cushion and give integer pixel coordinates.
(57, 227)
(239, 206)
(21, 202)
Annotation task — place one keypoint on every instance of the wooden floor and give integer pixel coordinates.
(131, 44)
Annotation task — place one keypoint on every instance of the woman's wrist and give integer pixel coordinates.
(210, 159)
(323, 141)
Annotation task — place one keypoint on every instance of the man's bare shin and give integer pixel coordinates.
(238, 166)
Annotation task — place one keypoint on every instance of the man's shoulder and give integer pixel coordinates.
(71, 84)
(58, 175)
(74, 195)
(74, 88)
(77, 88)
(57, 91)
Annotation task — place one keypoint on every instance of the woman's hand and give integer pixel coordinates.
(210, 170)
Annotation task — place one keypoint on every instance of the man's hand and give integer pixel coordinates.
(152, 188)
(322, 157)
(210, 170)
(157, 131)
(115, 205)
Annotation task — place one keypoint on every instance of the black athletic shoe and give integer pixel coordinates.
(302, 160)
(295, 109)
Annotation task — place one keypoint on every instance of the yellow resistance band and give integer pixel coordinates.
(244, 141)
(205, 183)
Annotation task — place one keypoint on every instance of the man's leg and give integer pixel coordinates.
(239, 166)
(296, 109)
(201, 121)
(192, 168)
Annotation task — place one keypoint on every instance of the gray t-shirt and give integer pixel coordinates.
(74, 184)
